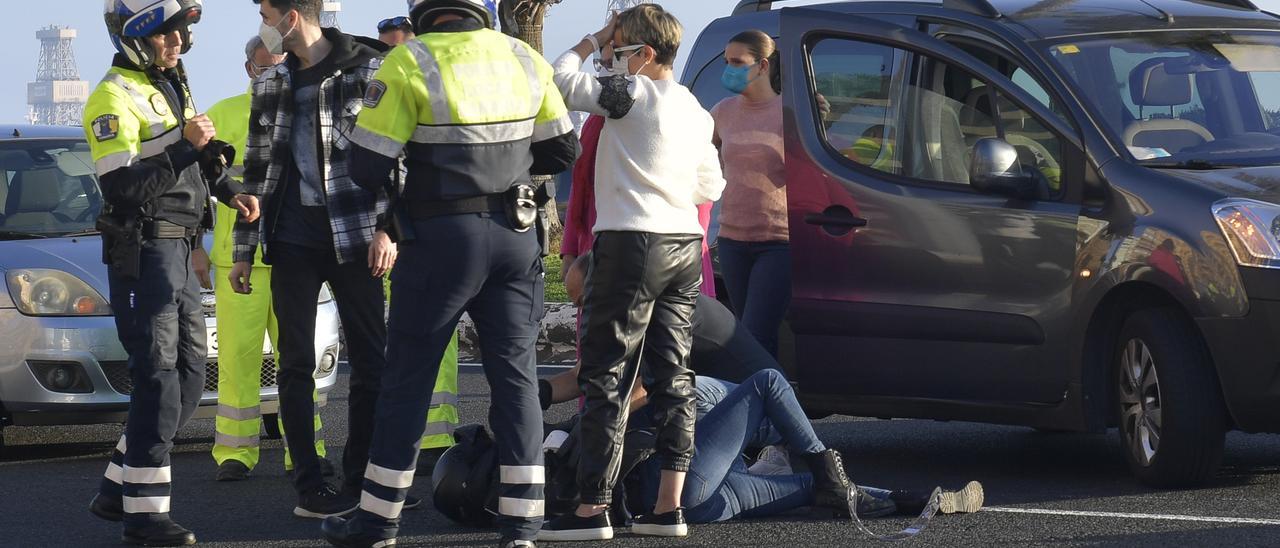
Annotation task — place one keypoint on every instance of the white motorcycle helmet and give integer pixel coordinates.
(420, 10)
(130, 22)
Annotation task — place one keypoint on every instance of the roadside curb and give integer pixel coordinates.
(557, 336)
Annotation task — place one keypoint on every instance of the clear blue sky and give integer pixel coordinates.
(215, 64)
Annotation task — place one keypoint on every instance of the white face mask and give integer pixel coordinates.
(271, 37)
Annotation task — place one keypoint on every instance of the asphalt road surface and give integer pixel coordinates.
(1042, 489)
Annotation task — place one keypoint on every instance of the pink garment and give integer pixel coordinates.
(754, 205)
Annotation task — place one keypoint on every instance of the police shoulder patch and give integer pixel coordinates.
(106, 127)
(373, 95)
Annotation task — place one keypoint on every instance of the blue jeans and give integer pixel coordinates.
(758, 278)
(718, 486)
(710, 391)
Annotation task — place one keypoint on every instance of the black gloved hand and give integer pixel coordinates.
(216, 157)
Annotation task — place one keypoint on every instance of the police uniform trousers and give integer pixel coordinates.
(442, 419)
(472, 263)
(161, 325)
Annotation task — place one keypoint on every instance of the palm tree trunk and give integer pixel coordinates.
(528, 16)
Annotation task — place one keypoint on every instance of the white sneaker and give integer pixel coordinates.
(773, 461)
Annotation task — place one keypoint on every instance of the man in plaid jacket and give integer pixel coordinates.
(317, 227)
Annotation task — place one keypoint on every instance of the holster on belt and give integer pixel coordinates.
(399, 221)
(121, 244)
(521, 207)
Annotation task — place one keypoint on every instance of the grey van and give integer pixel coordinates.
(1063, 214)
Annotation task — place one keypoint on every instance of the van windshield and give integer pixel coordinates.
(1184, 99)
(48, 189)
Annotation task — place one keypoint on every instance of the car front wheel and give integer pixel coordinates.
(1172, 421)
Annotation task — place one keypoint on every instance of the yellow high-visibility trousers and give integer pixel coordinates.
(442, 418)
(244, 321)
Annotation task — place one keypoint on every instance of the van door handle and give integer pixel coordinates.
(835, 220)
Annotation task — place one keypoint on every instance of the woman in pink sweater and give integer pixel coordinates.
(754, 246)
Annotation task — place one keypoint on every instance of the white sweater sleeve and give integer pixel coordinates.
(710, 178)
(581, 91)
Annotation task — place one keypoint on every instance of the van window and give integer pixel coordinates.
(1264, 86)
(858, 100)
(1182, 99)
(907, 114)
(1032, 87)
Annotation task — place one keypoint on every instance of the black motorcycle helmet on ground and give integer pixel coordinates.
(464, 480)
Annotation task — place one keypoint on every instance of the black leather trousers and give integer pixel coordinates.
(640, 294)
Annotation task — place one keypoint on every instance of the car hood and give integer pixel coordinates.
(1259, 183)
(80, 256)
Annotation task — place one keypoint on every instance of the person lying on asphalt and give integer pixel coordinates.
(761, 411)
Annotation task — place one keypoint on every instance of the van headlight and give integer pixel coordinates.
(1252, 229)
(48, 292)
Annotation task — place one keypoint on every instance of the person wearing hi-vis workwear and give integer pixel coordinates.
(154, 157)
(243, 320)
(475, 114)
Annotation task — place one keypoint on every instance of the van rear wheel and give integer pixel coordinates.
(1172, 421)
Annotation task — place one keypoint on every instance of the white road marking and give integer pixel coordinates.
(1126, 515)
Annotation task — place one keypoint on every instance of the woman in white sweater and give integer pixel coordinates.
(655, 163)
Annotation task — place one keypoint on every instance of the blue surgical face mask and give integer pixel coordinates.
(735, 78)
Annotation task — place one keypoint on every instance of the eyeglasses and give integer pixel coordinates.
(618, 53)
(393, 23)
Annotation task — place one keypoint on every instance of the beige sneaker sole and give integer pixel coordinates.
(966, 501)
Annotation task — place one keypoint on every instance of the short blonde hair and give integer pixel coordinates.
(652, 26)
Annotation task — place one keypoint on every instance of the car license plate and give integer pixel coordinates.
(211, 332)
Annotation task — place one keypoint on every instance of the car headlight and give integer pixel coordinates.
(1252, 228)
(48, 292)
(325, 295)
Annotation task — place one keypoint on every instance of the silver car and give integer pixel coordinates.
(60, 359)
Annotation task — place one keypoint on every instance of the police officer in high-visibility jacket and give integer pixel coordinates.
(153, 156)
(244, 320)
(475, 113)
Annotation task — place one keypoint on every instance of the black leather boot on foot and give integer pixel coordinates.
(162, 533)
(347, 533)
(232, 470)
(872, 507)
(830, 484)
(106, 508)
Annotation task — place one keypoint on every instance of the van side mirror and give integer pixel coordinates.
(994, 169)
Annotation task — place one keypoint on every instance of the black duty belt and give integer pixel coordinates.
(159, 229)
(488, 203)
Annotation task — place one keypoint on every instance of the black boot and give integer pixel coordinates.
(831, 488)
(107, 508)
(830, 484)
(348, 533)
(161, 533)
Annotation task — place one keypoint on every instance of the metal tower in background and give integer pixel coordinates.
(329, 16)
(57, 96)
(620, 5)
